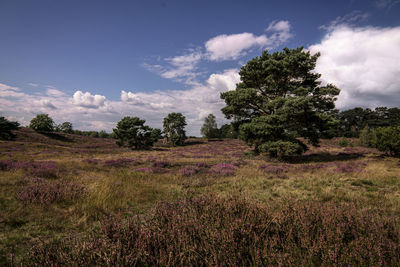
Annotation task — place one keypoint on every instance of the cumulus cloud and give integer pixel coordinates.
(233, 46)
(364, 63)
(46, 103)
(87, 100)
(184, 68)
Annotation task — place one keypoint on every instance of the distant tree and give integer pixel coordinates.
(132, 132)
(65, 127)
(6, 128)
(156, 134)
(174, 128)
(103, 134)
(279, 99)
(228, 131)
(42, 123)
(210, 128)
(388, 140)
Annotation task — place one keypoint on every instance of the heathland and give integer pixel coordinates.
(75, 200)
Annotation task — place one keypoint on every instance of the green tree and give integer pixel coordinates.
(280, 99)
(65, 127)
(132, 132)
(210, 128)
(174, 128)
(42, 123)
(6, 128)
(388, 140)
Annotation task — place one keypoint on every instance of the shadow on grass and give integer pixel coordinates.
(323, 157)
(57, 136)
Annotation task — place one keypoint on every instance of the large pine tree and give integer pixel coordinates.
(280, 99)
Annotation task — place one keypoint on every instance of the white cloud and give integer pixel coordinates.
(5, 87)
(87, 100)
(225, 81)
(46, 103)
(233, 46)
(51, 91)
(33, 84)
(180, 68)
(364, 63)
(226, 47)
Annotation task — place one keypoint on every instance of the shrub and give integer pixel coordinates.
(388, 140)
(213, 231)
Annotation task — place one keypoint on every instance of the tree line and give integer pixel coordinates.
(280, 98)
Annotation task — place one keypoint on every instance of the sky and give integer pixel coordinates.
(92, 62)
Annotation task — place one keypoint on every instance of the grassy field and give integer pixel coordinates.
(74, 200)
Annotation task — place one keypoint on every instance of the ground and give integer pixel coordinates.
(55, 186)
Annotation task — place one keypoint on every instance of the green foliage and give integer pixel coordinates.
(6, 127)
(132, 132)
(156, 134)
(174, 125)
(388, 140)
(367, 137)
(343, 142)
(279, 100)
(228, 131)
(352, 121)
(210, 128)
(42, 123)
(65, 127)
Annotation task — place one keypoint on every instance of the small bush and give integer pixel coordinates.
(388, 140)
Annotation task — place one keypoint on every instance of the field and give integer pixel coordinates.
(75, 200)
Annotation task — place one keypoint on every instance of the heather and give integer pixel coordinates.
(213, 231)
(66, 199)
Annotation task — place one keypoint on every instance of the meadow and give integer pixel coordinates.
(74, 200)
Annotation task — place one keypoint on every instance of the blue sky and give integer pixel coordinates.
(93, 62)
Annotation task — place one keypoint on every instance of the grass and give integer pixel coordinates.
(121, 183)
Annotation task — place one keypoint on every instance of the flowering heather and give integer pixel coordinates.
(189, 170)
(343, 167)
(161, 164)
(202, 165)
(224, 169)
(212, 231)
(44, 169)
(44, 192)
(121, 162)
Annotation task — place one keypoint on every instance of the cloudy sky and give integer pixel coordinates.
(92, 62)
